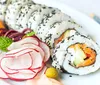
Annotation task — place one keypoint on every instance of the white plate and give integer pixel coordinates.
(91, 27)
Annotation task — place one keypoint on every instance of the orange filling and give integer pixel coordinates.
(58, 39)
(64, 35)
(89, 52)
(2, 26)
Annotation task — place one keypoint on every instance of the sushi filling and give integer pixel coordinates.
(81, 55)
(66, 34)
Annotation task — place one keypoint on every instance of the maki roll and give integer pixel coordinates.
(24, 14)
(76, 54)
(57, 29)
(48, 20)
(12, 12)
(37, 16)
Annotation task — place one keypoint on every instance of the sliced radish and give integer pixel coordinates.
(37, 59)
(3, 69)
(3, 74)
(25, 59)
(8, 71)
(19, 59)
(22, 75)
(21, 62)
(9, 32)
(27, 40)
(26, 71)
(3, 64)
(46, 51)
(14, 46)
(16, 36)
(42, 71)
(19, 51)
(36, 38)
(35, 47)
(27, 30)
(30, 40)
(4, 82)
(24, 50)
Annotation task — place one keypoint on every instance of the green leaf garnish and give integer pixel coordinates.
(30, 33)
(4, 43)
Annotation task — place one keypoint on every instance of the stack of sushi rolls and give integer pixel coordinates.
(72, 49)
(76, 54)
(45, 21)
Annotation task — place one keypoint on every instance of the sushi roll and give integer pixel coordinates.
(24, 14)
(12, 12)
(59, 28)
(48, 20)
(77, 54)
(37, 16)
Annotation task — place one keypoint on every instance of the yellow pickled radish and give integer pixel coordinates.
(51, 73)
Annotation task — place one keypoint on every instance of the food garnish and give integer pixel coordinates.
(4, 43)
(25, 59)
(51, 72)
(30, 33)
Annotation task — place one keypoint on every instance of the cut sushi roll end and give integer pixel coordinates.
(83, 55)
(76, 54)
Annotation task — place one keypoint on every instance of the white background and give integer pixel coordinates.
(85, 6)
